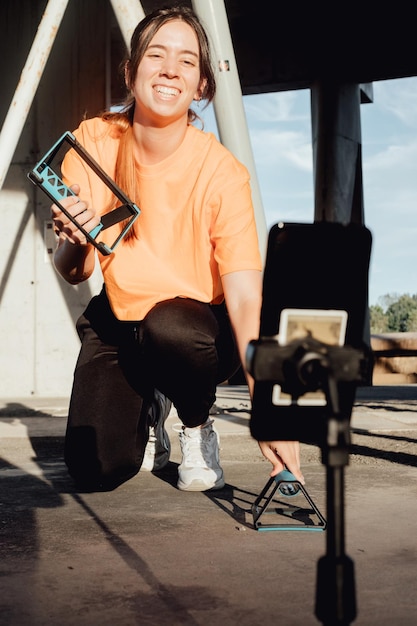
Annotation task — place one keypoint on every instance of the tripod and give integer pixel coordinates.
(308, 365)
(317, 273)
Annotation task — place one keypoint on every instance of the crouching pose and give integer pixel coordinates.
(182, 293)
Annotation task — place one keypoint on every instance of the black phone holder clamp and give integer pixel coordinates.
(44, 176)
(306, 365)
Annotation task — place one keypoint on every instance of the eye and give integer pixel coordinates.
(189, 62)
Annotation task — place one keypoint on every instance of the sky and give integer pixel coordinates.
(280, 134)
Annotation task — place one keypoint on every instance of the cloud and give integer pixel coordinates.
(274, 147)
(399, 98)
(394, 158)
(272, 108)
(389, 145)
(390, 186)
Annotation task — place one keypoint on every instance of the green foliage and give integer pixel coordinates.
(394, 314)
(378, 319)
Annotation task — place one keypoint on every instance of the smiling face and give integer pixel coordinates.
(168, 76)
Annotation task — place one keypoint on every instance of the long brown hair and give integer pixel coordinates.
(125, 173)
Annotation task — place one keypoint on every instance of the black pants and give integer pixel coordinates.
(182, 347)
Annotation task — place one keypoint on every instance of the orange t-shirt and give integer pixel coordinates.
(196, 222)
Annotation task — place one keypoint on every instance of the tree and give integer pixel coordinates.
(412, 321)
(378, 319)
(394, 313)
(401, 314)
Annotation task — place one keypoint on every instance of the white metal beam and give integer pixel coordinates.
(228, 102)
(28, 83)
(128, 14)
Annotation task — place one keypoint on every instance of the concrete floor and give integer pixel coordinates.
(147, 553)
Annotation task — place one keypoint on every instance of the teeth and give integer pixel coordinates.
(168, 91)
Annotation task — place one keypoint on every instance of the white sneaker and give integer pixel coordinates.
(158, 448)
(200, 467)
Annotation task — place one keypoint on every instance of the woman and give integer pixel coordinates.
(161, 322)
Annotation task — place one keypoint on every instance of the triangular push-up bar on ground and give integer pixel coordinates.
(269, 513)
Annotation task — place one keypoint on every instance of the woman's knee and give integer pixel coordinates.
(179, 322)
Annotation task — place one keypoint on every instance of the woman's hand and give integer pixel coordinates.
(283, 454)
(74, 259)
(85, 216)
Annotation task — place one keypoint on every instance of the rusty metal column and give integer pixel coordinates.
(337, 152)
(228, 103)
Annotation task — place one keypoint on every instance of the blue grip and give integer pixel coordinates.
(55, 186)
(287, 483)
(59, 190)
(93, 233)
(285, 476)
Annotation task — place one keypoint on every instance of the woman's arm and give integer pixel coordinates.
(74, 257)
(243, 294)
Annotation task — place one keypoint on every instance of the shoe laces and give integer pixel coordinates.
(198, 444)
(152, 436)
(151, 445)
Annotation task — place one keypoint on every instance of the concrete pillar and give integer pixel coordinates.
(37, 308)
